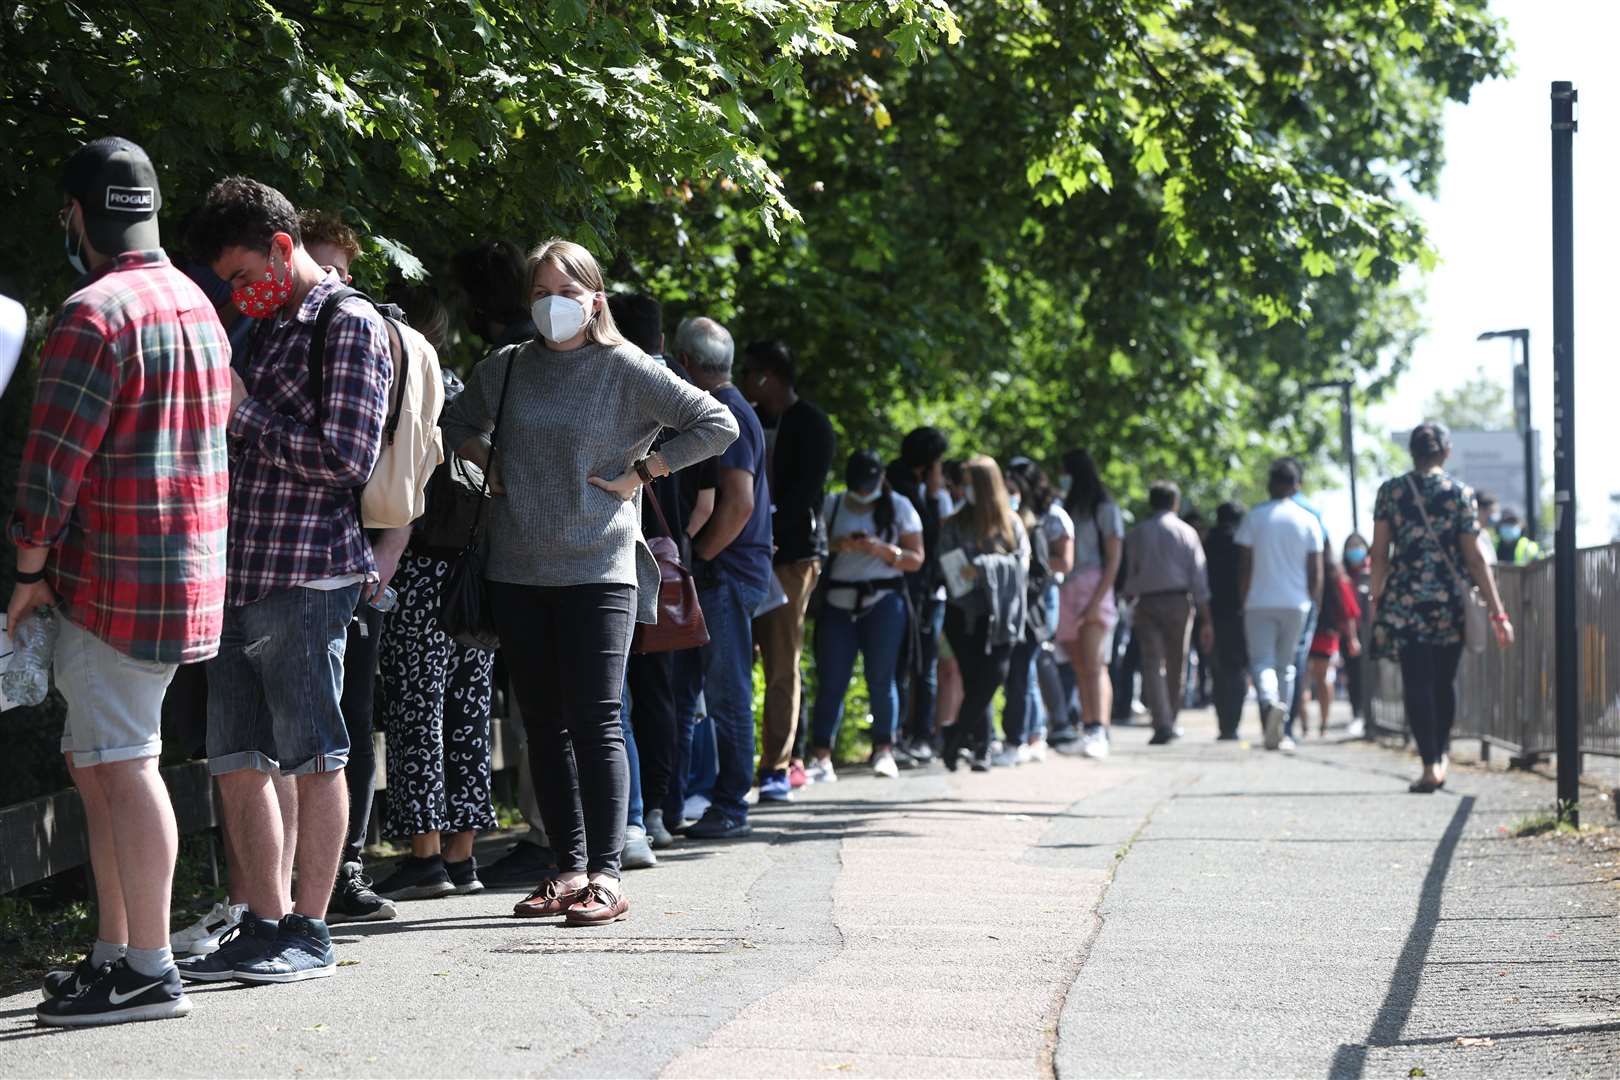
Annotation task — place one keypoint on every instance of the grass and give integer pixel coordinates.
(1546, 822)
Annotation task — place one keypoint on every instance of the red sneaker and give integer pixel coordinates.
(796, 777)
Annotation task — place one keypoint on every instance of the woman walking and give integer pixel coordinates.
(572, 415)
(1425, 524)
(984, 553)
(1340, 621)
(1358, 573)
(1087, 613)
(875, 538)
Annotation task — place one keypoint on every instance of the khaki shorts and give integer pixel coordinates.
(114, 701)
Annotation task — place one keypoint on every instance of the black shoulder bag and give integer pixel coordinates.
(464, 609)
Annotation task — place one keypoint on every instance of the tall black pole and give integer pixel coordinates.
(1532, 497)
(1563, 238)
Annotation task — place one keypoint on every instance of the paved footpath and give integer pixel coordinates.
(1199, 910)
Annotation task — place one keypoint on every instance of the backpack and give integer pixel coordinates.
(1040, 576)
(411, 447)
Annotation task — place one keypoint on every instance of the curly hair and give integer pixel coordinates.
(322, 227)
(241, 212)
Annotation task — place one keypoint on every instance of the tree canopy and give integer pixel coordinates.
(1139, 225)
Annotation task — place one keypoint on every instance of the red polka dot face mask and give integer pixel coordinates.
(260, 299)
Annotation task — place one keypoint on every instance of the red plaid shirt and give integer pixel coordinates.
(123, 476)
(294, 514)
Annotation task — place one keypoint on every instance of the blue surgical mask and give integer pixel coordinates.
(1355, 556)
(1511, 533)
(75, 251)
(1015, 500)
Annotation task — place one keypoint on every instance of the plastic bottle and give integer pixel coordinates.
(28, 678)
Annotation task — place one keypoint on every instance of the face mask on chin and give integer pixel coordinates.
(73, 244)
(561, 318)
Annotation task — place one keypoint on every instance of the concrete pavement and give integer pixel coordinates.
(1198, 910)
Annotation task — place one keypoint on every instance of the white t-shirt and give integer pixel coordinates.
(1280, 534)
(13, 327)
(845, 518)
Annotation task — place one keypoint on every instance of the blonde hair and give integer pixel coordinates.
(580, 266)
(989, 515)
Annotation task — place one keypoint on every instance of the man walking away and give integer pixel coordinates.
(733, 557)
(1280, 571)
(120, 528)
(1230, 657)
(1168, 580)
(298, 566)
(799, 452)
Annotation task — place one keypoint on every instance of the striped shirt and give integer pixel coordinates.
(123, 476)
(294, 513)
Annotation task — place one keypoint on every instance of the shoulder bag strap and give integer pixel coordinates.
(658, 510)
(500, 409)
(1417, 495)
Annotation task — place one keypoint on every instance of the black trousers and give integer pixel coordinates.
(984, 671)
(1229, 665)
(1429, 689)
(359, 695)
(566, 649)
(652, 715)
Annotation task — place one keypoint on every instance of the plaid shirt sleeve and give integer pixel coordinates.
(342, 452)
(79, 381)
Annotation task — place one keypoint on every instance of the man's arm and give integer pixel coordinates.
(733, 506)
(1245, 573)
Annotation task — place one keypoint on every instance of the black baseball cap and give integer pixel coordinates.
(864, 471)
(117, 188)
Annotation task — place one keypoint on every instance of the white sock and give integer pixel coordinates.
(150, 962)
(106, 952)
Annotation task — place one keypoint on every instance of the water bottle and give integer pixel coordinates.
(28, 678)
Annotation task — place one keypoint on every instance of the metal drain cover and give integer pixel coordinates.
(630, 945)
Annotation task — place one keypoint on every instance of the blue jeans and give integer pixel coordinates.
(1301, 657)
(633, 814)
(1271, 635)
(274, 689)
(728, 686)
(689, 759)
(877, 635)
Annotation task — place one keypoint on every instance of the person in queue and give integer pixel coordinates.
(1087, 612)
(569, 574)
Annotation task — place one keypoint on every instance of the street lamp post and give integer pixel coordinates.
(1564, 584)
(1521, 409)
(1347, 435)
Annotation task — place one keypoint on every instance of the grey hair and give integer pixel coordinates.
(707, 344)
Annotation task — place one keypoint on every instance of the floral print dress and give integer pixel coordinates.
(1423, 599)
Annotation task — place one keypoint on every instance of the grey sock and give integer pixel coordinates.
(106, 952)
(150, 962)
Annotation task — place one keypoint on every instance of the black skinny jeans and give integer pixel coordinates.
(1229, 664)
(983, 673)
(1429, 689)
(652, 716)
(565, 649)
(359, 695)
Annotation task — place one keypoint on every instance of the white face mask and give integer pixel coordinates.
(561, 318)
(967, 495)
(869, 498)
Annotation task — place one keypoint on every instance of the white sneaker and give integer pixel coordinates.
(1286, 745)
(1357, 729)
(1006, 758)
(1036, 751)
(1094, 743)
(1274, 726)
(883, 765)
(820, 771)
(202, 937)
(695, 807)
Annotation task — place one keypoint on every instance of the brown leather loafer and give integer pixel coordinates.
(549, 899)
(595, 905)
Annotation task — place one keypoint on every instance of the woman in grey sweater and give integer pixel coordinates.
(569, 572)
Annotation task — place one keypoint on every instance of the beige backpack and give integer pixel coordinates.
(411, 448)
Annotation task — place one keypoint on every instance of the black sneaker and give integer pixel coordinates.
(66, 983)
(463, 875)
(1164, 737)
(714, 825)
(417, 879)
(242, 943)
(120, 996)
(523, 865)
(353, 899)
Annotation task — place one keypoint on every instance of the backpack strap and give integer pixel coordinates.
(317, 347)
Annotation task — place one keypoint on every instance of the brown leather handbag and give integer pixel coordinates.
(680, 622)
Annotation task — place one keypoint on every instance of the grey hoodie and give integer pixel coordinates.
(999, 591)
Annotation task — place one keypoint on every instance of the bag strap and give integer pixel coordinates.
(658, 512)
(494, 432)
(832, 523)
(1411, 485)
(317, 347)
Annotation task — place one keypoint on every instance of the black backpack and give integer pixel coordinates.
(1040, 578)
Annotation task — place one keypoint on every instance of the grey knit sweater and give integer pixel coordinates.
(593, 411)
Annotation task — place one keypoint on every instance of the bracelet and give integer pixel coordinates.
(25, 577)
(1500, 618)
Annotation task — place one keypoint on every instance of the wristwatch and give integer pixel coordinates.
(644, 471)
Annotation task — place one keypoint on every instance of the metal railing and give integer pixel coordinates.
(1506, 697)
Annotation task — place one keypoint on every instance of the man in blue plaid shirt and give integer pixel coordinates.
(297, 566)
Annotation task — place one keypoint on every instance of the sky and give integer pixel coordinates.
(1491, 224)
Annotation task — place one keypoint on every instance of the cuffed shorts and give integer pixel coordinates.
(114, 701)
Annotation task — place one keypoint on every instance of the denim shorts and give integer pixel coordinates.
(114, 701)
(275, 687)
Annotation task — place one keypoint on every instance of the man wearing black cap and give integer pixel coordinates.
(1230, 656)
(120, 528)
